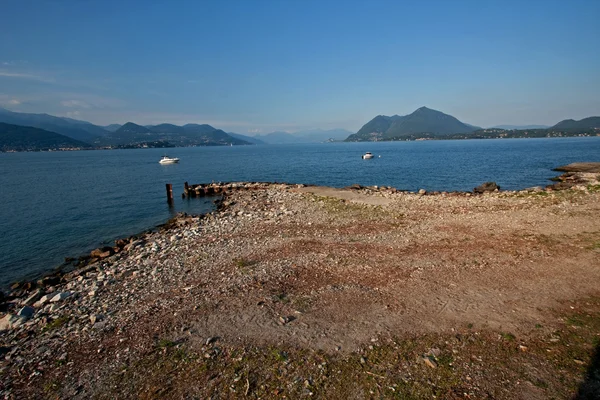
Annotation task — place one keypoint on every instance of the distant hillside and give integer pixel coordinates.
(422, 121)
(75, 129)
(245, 138)
(112, 127)
(306, 136)
(187, 135)
(511, 127)
(322, 135)
(584, 124)
(27, 138)
(281, 138)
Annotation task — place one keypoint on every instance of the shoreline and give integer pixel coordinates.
(574, 175)
(291, 271)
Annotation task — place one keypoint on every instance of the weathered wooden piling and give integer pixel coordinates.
(169, 193)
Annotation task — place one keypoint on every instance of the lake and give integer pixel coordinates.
(63, 204)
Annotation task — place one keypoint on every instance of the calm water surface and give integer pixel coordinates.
(66, 203)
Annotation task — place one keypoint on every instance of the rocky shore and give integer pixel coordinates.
(294, 291)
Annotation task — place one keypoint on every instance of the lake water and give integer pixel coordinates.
(63, 204)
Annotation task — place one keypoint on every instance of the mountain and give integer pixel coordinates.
(26, 138)
(187, 135)
(75, 129)
(321, 135)
(249, 139)
(112, 127)
(281, 138)
(512, 127)
(167, 128)
(306, 136)
(422, 122)
(584, 124)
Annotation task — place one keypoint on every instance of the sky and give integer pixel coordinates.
(261, 66)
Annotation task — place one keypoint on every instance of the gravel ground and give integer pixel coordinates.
(292, 272)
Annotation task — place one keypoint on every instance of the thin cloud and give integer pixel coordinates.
(74, 104)
(19, 75)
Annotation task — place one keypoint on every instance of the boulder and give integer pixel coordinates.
(10, 321)
(60, 296)
(26, 312)
(486, 187)
(35, 296)
(50, 280)
(103, 252)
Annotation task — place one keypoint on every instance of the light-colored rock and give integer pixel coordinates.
(60, 296)
(35, 296)
(10, 321)
(429, 361)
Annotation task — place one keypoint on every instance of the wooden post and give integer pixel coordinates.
(169, 193)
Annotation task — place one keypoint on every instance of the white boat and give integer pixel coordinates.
(168, 160)
(367, 155)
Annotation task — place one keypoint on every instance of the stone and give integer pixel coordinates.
(26, 312)
(43, 300)
(49, 281)
(103, 252)
(430, 362)
(35, 296)
(486, 187)
(10, 321)
(211, 339)
(60, 296)
(422, 192)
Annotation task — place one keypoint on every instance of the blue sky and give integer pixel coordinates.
(260, 66)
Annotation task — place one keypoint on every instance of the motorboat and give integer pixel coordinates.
(168, 160)
(367, 155)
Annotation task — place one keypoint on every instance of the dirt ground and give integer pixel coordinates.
(290, 292)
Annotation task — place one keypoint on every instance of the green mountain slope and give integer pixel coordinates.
(27, 138)
(132, 134)
(423, 121)
(584, 124)
(75, 129)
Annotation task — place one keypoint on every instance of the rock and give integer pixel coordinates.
(422, 192)
(103, 252)
(43, 300)
(429, 361)
(95, 318)
(26, 312)
(35, 296)
(60, 296)
(486, 187)
(211, 339)
(591, 167)
(10, 321)
(49, 281)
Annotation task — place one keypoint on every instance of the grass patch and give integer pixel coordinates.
(57, 323)
(165, 344)
(508, 336)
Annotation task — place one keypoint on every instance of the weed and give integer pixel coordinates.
(165, 343)
(508, 336)
(51, 386)
(57, 323)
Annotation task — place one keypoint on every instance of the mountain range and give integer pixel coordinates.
(520, 127)
(17, 132)
(306, 136)
(425, 123)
